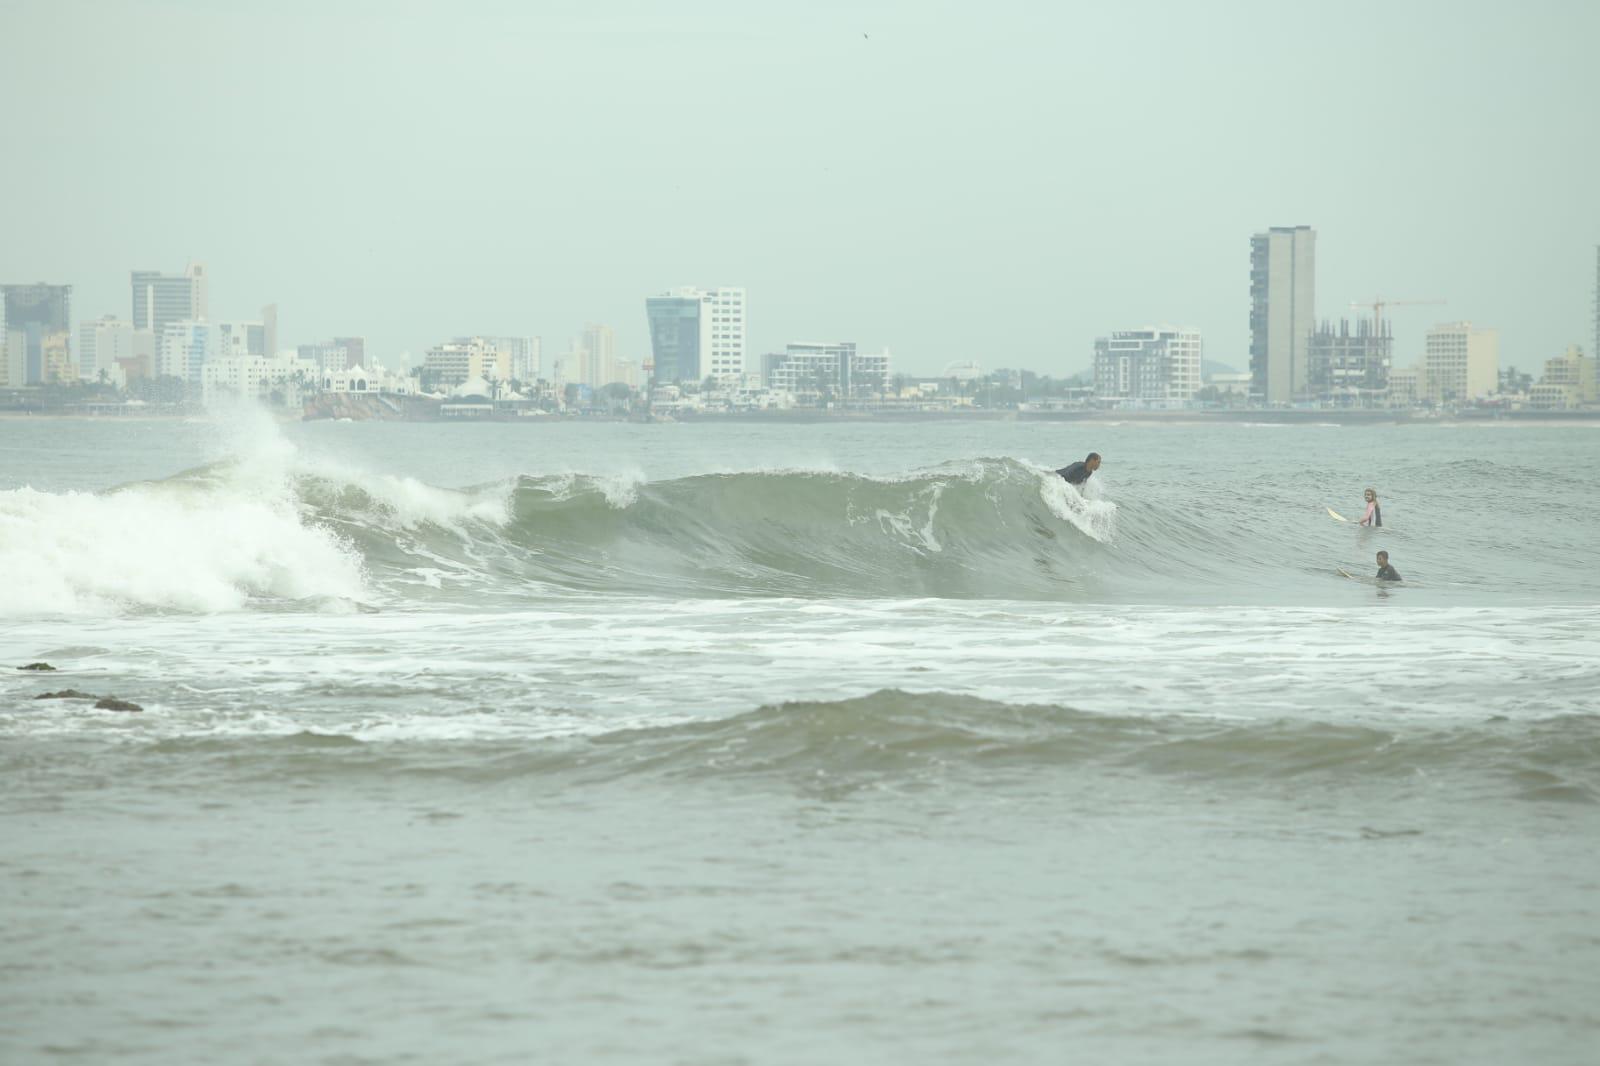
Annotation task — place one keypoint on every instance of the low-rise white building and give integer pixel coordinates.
(1408, 386)
(456, 361)
(256, 377)
(1569, 382)
(351, 379)
(1235, 383)
(1158, 365)
(813, 369)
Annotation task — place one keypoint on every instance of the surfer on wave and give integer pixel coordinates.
(1078, 473)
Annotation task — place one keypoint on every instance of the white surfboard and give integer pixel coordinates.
(1336, 516)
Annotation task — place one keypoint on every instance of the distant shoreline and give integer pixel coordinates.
(810, 417)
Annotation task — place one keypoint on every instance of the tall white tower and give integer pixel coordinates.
(1283, 311)
(727, 314)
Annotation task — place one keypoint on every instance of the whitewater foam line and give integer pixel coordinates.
(205, 541)
(173, 547)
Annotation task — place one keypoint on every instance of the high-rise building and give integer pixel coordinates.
(59, 366)
(823, 369)
(599, 348)
(105, 341)
(1350, 366)
(185, 348)
(159, 299)
(521, 354)
(627, 373)
(240, 338)
(1157, 364)
(727, 306)
(13, 358)
(333, 356)
(702, 329)
(355, 351)
(32, 319)
(329, 357)
(680, 337)
(1461, 362)
(1283, 312)
(269, 330)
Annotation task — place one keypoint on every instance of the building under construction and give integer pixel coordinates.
(1349, 366)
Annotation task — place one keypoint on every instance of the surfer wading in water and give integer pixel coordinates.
(1385, 571)
(1374, 515)
(1078, 473)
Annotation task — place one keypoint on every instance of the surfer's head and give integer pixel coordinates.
(1371, 495)
(1093, 462)
(1383, 558)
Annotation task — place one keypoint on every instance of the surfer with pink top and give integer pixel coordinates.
(1374, 515)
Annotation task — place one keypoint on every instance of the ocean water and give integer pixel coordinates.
(755, 744)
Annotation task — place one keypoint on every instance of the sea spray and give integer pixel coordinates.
(170, 546)
(204, 541)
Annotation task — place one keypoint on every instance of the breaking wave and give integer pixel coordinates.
(276, 529)
(982, 528)
(273, 530)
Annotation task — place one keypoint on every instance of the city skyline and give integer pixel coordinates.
(931, 197)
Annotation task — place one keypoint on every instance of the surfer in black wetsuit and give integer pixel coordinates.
(1385, 571)
(1078, 473)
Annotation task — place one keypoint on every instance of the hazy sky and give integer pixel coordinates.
(995, 181)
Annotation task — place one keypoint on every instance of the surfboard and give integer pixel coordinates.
(1336, 516)
(1342, 572)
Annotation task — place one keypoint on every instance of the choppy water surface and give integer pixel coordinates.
(746, 744)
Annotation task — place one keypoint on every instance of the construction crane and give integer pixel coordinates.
(1379, 303)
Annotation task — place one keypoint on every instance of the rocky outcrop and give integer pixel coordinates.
(38, 666)
(102, 703)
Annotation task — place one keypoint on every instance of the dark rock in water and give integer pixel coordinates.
(107, 703)
(38, 666)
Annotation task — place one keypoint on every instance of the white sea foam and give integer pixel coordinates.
(411, 503)
(621, 490)
(177, 547)
(1087, 511)
(914, 534)
(203, 544)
